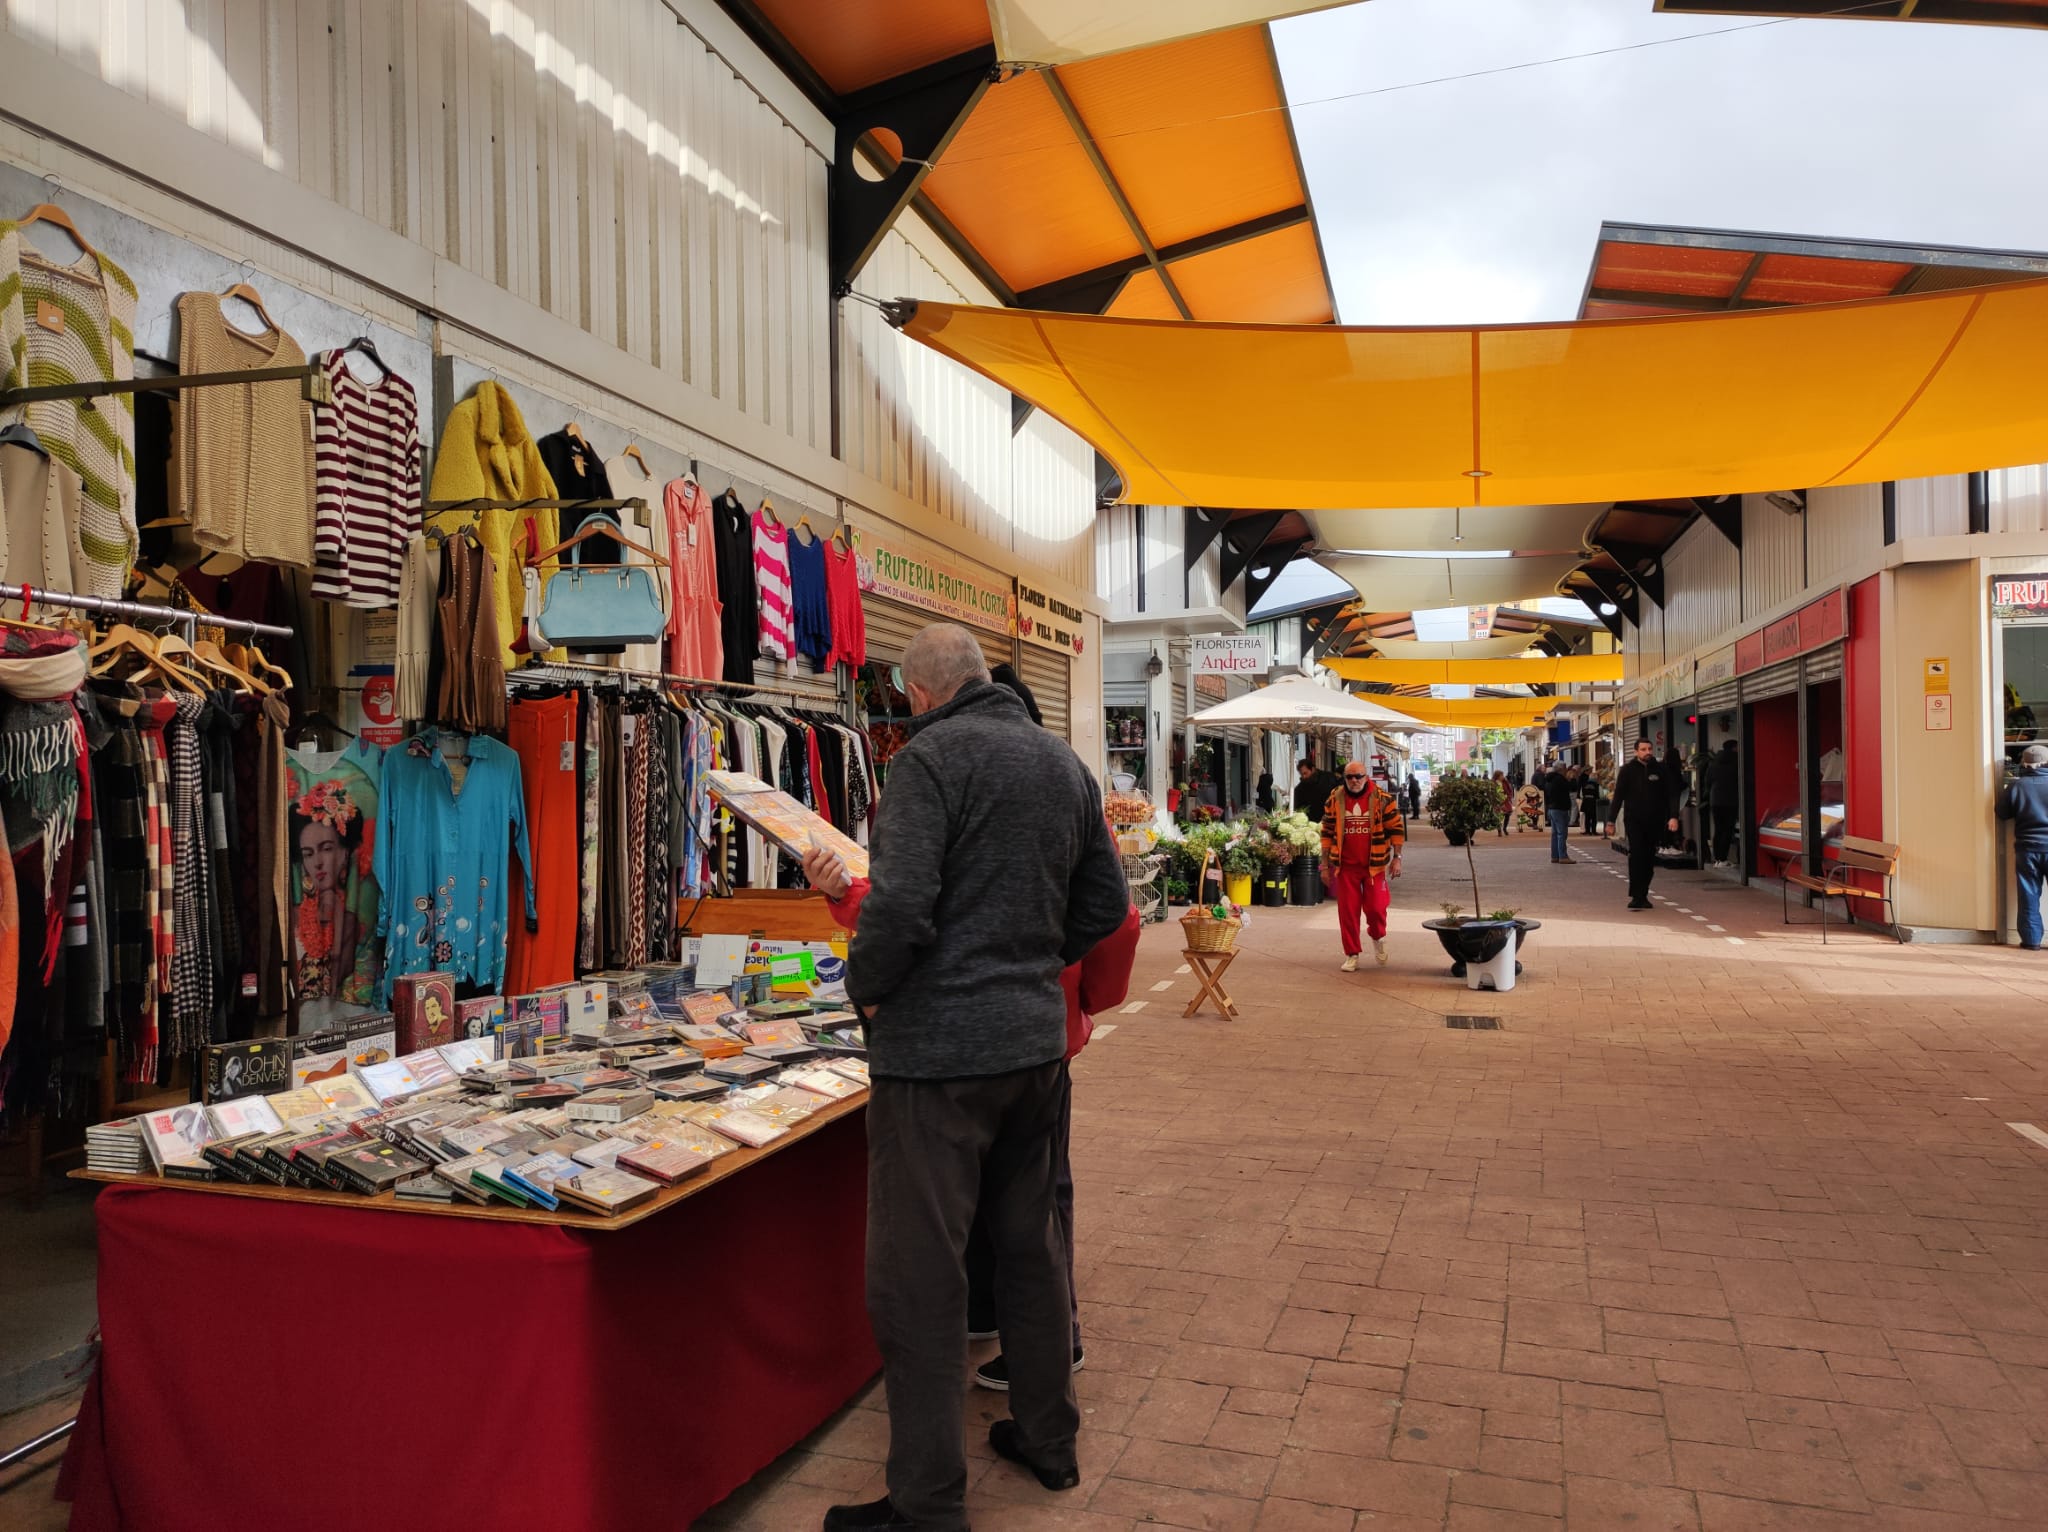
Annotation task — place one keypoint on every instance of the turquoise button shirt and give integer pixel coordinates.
(442, 858)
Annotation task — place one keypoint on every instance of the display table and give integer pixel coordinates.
(304, 1361)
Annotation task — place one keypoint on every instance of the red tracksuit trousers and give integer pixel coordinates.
(1361, 891)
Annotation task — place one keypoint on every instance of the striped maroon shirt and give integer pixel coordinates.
(366, 486)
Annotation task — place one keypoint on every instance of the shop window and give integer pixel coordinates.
(2026, 686)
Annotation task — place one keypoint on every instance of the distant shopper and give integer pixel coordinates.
(1681, 790)
(1363, 833)
(2024, 800)
(1415, 797)
(1312, 791)
(1557, 808)
(1646, 799)
(1507, 801)
(1264, 796)
(1724, 795)
(1589, 800)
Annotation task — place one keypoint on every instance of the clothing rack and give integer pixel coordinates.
(312, 381)
(143, 611)
(432, 507)
(539, 671)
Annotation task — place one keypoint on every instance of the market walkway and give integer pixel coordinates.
(1721, 1230)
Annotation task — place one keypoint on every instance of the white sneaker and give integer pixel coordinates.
(1351, 964)
(1379, 950)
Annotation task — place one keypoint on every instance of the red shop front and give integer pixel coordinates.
(1809, 689)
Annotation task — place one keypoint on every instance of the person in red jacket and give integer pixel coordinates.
(1100, 980)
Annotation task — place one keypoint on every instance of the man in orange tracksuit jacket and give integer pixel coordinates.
(1096, 983)
(1363, 833)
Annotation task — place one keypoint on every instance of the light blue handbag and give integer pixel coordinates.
(588, 606)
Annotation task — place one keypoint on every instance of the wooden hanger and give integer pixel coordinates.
(123, 642)
(50, 213)
(210, 655)
(256, 662)
(575, 433)
(596, 528)
(250, 296)
(633, 451)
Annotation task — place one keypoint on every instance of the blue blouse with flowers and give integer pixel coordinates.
(443, 858)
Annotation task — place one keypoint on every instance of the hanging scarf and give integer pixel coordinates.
(40, 667)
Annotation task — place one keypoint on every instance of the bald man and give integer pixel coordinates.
(993, 870)
(1363, 833)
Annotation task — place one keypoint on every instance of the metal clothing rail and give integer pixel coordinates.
(540, 671)
(143, 611)
(312, 380)
(431, 507)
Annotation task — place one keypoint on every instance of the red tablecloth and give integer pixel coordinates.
(271, 1364)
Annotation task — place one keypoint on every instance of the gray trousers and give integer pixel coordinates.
(936, 1149)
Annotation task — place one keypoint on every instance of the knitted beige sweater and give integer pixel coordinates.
(244, 451)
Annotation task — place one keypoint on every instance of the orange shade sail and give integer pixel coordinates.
(1320, 417)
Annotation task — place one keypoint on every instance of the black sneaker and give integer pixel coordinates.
(865, 1518)
(1003, 1437)
(1641, 904)
(995, 1372)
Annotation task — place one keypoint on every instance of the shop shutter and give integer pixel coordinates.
(891, 626)
(1772, 681)
(1824, 666)
(1049, 675)
(1124, 694)
(1719, 699)
(824, 687)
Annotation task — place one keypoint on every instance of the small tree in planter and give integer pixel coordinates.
(1461, 807)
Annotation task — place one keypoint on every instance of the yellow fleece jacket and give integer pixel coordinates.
(486, 453)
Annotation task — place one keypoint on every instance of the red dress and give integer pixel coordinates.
(842, 596)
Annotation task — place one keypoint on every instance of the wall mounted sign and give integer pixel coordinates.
(1717, 669)
(1231, 654)
(2019, 595)
(932, 585)
(1934, 675)
(1941, 711)
(1814, 626)
(1048, 621)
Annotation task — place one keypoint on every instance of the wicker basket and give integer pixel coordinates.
(1205, 933)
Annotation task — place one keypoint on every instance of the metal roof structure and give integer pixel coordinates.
(1640, 270)
(1997, 13)
(1159, 182)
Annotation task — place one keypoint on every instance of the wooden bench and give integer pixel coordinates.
(1879, 858)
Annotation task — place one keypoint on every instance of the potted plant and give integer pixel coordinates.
(1461, 807)
(1276, 856)
(1303, 837)
(1241, 861)
(1176, 890)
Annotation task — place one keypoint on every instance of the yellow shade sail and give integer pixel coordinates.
(1061, 31)
(1476, 712)
(1560, 671)
(1320, 417)
(1452, 648)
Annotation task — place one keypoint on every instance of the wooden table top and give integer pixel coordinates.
(563, 1218)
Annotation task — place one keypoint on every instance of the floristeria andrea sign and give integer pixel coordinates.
(1236, 654)
(1048, 621)
(944, 590)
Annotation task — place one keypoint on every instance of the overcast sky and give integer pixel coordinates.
(1481, 200)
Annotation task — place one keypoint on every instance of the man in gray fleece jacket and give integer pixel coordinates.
(992, 870)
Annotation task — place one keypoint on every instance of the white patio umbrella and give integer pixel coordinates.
(1297, 705)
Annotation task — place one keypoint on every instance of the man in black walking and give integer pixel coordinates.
(1724, 796)
(1646, 801)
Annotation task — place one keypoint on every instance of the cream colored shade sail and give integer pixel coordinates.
(1438, 529)
(1064, 31)
(1408, 584)
(1319, 417)
(1496, 648)
(1564, 670)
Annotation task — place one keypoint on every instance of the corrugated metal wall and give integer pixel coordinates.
(2019, 500)
(1773, 556)
(604, 163)
(1936, 507)
(1703, 589)
(1844, 531)
(596, 160)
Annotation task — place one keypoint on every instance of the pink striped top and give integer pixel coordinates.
(771, 577)
(366, 486)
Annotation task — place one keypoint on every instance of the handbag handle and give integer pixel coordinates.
(596, 524)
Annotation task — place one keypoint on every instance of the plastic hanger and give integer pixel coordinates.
(19, 434)
(362, 345)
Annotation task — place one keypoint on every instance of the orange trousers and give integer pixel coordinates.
(542, 733)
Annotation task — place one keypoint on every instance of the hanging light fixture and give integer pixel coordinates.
(1153, 666)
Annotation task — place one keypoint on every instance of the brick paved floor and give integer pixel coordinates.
(1724, 1231)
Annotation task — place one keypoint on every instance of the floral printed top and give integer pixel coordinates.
(444, 847)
